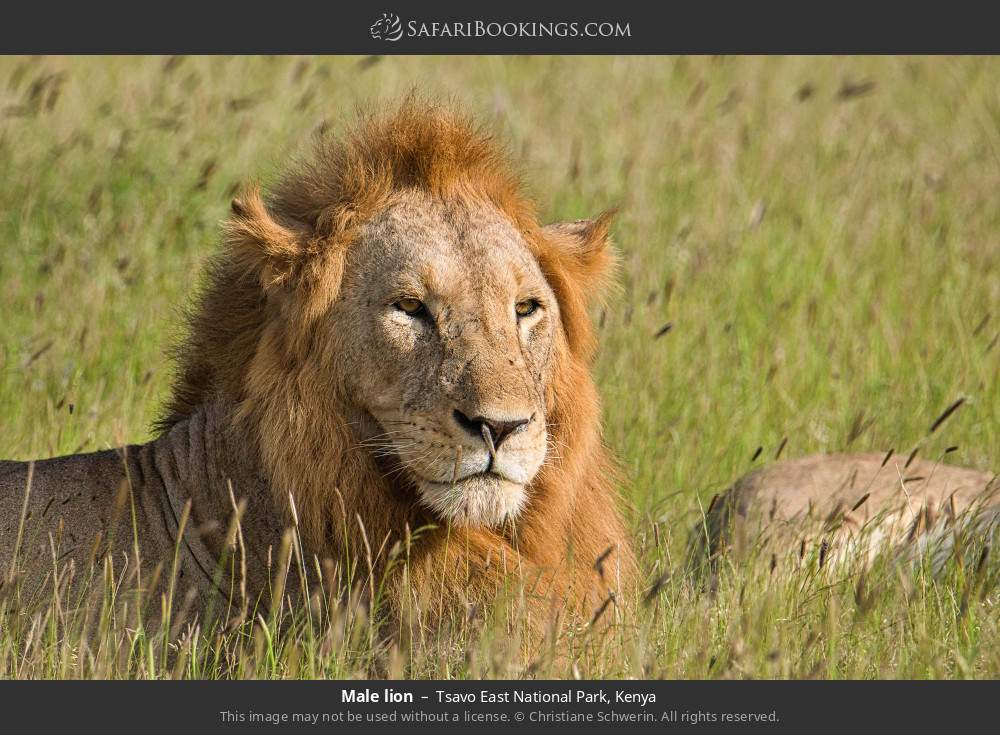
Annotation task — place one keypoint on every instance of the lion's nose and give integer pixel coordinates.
(493, 431)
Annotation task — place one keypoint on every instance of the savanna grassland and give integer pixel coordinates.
(810, 261)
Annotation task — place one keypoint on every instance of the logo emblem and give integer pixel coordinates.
(387, 28)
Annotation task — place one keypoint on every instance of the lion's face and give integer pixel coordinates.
(449, 326)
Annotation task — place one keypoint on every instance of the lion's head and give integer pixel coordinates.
(447, 330)
(403, 337)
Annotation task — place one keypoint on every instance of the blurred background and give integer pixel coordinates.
(810, 246)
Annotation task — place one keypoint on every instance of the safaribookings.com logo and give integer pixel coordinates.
(387, 28)
(390, 28)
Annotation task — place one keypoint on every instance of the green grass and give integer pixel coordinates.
(828, 255)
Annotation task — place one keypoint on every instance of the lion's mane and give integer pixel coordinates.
(253, 343)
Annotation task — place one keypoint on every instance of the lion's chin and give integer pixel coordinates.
(479, 501)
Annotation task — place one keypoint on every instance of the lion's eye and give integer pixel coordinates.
(411, 307)
(526, 307)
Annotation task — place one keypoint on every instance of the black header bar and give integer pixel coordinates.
(516, 27)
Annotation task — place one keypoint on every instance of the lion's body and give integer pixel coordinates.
(151, 516)
(849, 506)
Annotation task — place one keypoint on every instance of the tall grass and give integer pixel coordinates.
(821, 236)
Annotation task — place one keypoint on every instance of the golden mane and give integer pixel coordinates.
(252, 343)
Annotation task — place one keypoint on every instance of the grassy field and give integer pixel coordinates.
(822, 235)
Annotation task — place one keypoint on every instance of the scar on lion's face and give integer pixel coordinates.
(460, 321)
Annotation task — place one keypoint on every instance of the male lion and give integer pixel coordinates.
(388, 342)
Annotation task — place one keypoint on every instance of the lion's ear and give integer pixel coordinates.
(270, 249)
(585, 251)
(578, 261)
